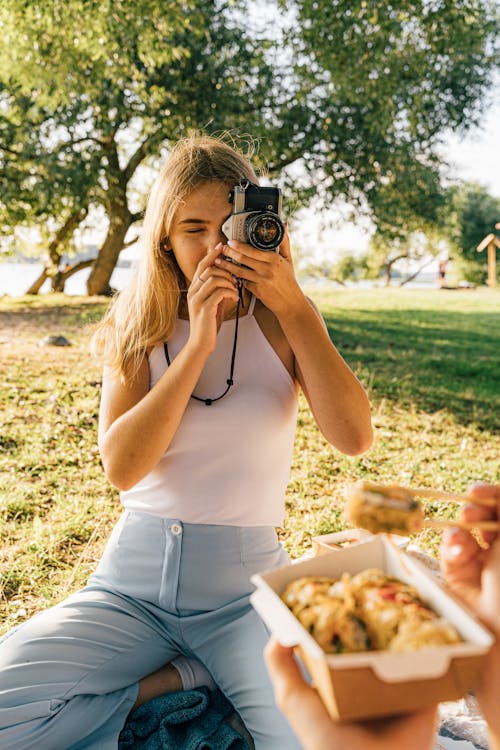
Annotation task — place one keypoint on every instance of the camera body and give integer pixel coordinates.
(256, 217)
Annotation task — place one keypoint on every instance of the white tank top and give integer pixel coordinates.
(228, 463)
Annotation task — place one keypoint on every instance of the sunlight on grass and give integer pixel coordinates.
(429, 360)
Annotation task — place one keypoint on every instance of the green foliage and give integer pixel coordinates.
(40, 183)
(473, 213)
(347, 100)
(83, 104)
(383, 82)
(385, 251)
(347, 267)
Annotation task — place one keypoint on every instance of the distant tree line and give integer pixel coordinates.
(468, 213)
(347, 99)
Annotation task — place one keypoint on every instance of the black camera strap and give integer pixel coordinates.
(229, 381)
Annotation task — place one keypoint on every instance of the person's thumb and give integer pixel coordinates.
(461, 563)
(284, 671)
(284, 248)
(489, 607)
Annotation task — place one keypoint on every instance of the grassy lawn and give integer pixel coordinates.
(430, 361)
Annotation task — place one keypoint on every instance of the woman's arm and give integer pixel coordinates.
(136, 424)
(336, 397)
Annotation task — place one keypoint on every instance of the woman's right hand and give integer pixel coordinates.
(209, 293)
(473, 572)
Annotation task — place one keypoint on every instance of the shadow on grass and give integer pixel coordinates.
(433, 360)
(42, 314)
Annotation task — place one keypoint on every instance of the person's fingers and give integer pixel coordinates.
(285, 245)
(484, 491)
(474, 512)
(462, 561)
(489, 608)
(284, 671)
(299, 702)
(242, 271)
(208, 260)
(459, 551)
(219, 296)
(310, 720)
(215, 276)
(212, 289)
(290, 688)
(246, 254)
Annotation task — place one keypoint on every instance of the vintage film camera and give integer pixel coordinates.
(256, 217)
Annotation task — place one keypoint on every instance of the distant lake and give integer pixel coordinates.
(16, 278)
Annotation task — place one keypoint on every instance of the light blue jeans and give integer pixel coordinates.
(69, 676)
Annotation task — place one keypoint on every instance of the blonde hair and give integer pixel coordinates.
(143, 315)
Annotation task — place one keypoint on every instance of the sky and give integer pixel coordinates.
(477, 156)
(473, 157)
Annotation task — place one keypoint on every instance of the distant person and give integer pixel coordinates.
(196, 428)
(442, 266)
(474, 574)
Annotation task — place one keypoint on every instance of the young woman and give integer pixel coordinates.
(202, 475)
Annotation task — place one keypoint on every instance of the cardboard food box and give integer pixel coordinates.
(377, 683)
(339, 540)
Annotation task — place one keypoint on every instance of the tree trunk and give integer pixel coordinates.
(58, 282)
(104, 264)
(415, 274)
(55, 251)
(387, 273)
(388, 268)
(38, 283)
(120, 218)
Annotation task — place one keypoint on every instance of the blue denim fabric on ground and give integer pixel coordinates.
(185, 720)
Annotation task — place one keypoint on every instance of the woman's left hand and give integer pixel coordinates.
(267, 274)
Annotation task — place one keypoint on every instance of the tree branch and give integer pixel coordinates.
(67, 272)
(413, 275)
(66, 230)
(129, 243)
(10, 150)
(390, 262)
(139, 155)
(74, 141)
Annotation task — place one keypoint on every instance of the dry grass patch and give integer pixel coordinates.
(429, 360)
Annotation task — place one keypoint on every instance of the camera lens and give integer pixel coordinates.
(264, 230)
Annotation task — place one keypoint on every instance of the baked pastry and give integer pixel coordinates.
(380, 508)
(366, 612)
